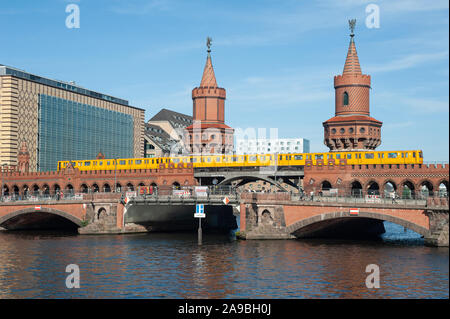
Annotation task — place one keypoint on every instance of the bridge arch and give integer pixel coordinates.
(249, 179)
(372, 188)
(389, 186)
(362, 214)
(4, 220)
(408, 188)
(325, 185)
(356, 188)
(426, 187)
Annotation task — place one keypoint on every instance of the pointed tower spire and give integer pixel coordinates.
(208, 78)
(352, 128)
(352, 62)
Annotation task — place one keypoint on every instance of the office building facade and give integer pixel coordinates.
(62, 121)
(272, 146)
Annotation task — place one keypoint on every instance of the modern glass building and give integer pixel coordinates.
(63, 121)
(73, 131)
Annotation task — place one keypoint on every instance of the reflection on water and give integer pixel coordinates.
(172, 265)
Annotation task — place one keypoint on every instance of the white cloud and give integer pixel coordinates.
(407, 62)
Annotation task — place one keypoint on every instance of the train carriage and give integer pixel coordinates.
(252, 160)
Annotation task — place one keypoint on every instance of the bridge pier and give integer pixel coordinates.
(438, 228)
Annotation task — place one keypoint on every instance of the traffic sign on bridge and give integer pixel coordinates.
(200, 211)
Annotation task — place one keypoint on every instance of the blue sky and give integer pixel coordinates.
(276, 59)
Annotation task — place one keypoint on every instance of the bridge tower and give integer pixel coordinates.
(209, 134)
(352, 128)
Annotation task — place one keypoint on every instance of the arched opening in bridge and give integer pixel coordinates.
(176, 185)
(5, 190)
(38, 220)
(326, 186)
(84, 188)
(56, 189)
(266, 217)
(141, 184)
(106, 188)
(46, 190)
(69, 189)
(443, 189)
(408, 190)
(101, 213)
(35, 189)
(25, 190)
(373, 189)
(95, 188)
(366, 226)
(389, 189)
(356, 189)
(16, 191)
(426, 188)
(154, 185)
(130, 187)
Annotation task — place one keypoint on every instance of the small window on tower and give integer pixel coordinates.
(345, 98)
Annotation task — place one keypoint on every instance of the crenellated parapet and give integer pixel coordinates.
(352, 79)
(209, 92)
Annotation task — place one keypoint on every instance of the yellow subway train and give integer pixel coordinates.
(208, 161)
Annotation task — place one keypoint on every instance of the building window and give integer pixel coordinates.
(342, 130)
(333, 131)
(345, 98)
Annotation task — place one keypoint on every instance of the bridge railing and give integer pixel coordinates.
(425, 201)
(185, 192)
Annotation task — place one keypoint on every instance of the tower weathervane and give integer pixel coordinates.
(351, 24)
(208, 43)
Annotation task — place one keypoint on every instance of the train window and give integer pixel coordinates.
(329, 156)
(153, 161)
(95, 163)
(87, 163)
(349, 156)
(193, 160)
(108, 162)
(338, 156)
(100, 163)
(122, 162)
(252, 159)
(298, 157)
(369, 155)
(209, 159)
(130, 162)
(420, 154)
(392, 155)
(414, 154)
(319, 156)
(217, 159)
(235, 159)
(138, 162)
(406, 155)
(289, 157)
(403, 155)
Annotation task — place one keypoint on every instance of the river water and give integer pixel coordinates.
(172, 265)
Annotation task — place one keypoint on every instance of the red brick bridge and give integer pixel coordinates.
(278, 216)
